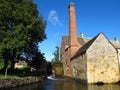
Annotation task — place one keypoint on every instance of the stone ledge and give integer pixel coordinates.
(15, 82)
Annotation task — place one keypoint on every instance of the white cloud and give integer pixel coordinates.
(53, 18)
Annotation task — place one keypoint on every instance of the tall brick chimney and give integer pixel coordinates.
(73, 39)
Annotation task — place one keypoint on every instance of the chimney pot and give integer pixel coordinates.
(82, 35)
(116, 39)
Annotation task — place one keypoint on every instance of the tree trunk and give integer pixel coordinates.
(12, 65)
(5, 66)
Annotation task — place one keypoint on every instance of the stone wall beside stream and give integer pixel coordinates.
(14, 82)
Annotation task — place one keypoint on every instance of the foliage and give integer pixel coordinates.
(1, 61)
(21, 29)
(49, 68)
(38, 59)
(56, 55)
(18, 73)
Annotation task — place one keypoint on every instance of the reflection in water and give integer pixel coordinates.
(65, 84)
(104, 87)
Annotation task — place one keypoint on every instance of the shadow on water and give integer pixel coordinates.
(64, 84)
(36, 86)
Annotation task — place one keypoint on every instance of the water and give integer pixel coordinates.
(65, 84)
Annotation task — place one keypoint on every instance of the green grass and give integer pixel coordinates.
(9, 76)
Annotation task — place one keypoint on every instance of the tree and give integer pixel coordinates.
(38, 63)
(21, 29)
(37, 60)
(56, 55)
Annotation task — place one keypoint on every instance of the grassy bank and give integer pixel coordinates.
(8, 76)
(20, 72)
(24, 71)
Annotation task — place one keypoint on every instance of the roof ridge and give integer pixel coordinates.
(85, 46)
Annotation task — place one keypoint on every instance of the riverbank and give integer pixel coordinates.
(15, 82)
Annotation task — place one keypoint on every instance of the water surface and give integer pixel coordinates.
(64, 84)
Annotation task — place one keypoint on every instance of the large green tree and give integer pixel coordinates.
(21, 29)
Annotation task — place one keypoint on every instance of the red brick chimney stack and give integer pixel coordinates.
(73, 39)
(72, 21)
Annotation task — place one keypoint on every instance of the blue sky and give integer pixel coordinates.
(92, 16)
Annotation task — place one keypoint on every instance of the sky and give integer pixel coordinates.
(92, 17)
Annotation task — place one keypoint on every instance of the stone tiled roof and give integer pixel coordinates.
(82, 41)
(89, 41)
(85, 46)
(86, 42)
(116, 44)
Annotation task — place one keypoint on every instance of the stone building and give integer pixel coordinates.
(90, 60)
